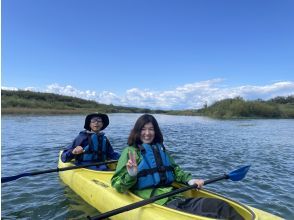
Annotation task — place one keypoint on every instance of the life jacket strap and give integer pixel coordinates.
(99, 150)
(90, 143)
(161, 169)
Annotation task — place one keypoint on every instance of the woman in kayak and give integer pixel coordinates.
(146, 168)
(91, 145)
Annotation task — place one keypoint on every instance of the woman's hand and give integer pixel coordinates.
(199, 182)
(132, 164)
(78, 150)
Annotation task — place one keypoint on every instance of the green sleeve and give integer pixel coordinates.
(180, 175)
(121, 179)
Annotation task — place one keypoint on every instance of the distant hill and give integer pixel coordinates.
(28, 102)
(279, 107)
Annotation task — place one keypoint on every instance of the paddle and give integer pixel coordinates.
(235, 175)
(11, 178)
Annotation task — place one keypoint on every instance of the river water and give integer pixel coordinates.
(205, 147)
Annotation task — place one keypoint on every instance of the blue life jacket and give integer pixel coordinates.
(96, 148)
(155, 168)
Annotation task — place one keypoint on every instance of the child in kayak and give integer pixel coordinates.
(91, 145)
(146, 168)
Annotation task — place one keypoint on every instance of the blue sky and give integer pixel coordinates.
(158, 54)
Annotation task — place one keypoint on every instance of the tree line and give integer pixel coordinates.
(279, 107)
(28, 102)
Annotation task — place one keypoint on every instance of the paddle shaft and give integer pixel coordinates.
(153, 199)
(11, 178)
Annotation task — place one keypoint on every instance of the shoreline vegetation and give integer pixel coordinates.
(37, 103)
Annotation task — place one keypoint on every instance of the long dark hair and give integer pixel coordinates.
(134, 137)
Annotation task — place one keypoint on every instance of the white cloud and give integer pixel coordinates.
(188, 96)
(71, 91)
(108, 98)
(30, 88)
(9, 88)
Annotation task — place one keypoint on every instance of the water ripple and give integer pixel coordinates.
(202, 146)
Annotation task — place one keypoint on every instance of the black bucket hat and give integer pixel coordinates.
(104, 118)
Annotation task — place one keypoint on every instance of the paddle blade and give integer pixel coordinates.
(238, 174)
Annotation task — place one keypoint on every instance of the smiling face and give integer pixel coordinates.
(96, 124)
(147, 133)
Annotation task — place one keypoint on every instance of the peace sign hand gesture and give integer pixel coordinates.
(132, 164)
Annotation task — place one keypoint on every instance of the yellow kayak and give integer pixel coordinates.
(95, 188)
